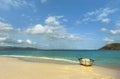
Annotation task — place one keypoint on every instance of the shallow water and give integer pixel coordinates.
(107, 58)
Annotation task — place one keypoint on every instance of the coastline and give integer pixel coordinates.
(59, 61)
(12, 68)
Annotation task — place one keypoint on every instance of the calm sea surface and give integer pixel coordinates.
(107, 58)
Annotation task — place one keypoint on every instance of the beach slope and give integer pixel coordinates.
(13, 68)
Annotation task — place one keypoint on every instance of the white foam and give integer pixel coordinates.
(49, 58)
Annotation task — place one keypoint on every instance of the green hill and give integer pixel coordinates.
(113, 46)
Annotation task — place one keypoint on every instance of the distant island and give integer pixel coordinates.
(16, 48)
(113, 46)
(30, 48)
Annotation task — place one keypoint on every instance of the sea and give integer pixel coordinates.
(105, 58)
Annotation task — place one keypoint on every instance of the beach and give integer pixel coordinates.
(13, 68)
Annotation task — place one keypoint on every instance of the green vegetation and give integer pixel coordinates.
(113, 46)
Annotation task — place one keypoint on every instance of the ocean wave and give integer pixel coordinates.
(46, 58)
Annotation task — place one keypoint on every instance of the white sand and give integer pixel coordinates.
(12, 68)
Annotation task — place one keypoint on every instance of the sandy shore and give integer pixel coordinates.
(12, 68)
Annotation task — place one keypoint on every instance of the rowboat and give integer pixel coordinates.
(86, 61)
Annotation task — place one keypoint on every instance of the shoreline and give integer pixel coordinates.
(12, 68)
(59, 61)
(42, 59)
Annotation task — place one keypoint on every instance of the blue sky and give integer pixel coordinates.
(59, 24)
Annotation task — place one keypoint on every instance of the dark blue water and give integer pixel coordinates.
(109, 58)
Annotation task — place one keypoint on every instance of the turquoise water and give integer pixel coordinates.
(108, 58)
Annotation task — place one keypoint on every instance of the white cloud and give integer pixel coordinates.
(53, 21)
(19, 41)
(7, 4)
(105, 20)
(117, 31)
(6, 29)
(5, 41)
(101, 14)
(51, 30)
(28, 41)
(2, 19)
(5, 26)
(109, 40)
(113, 34)
(50, 35)
(73, 37)
(9, 36)
(43, 1)
(10, 4)
(25, 43)
(91, 13)
(39, 29)
(2, 39)
(106, 12)
(103, 29)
